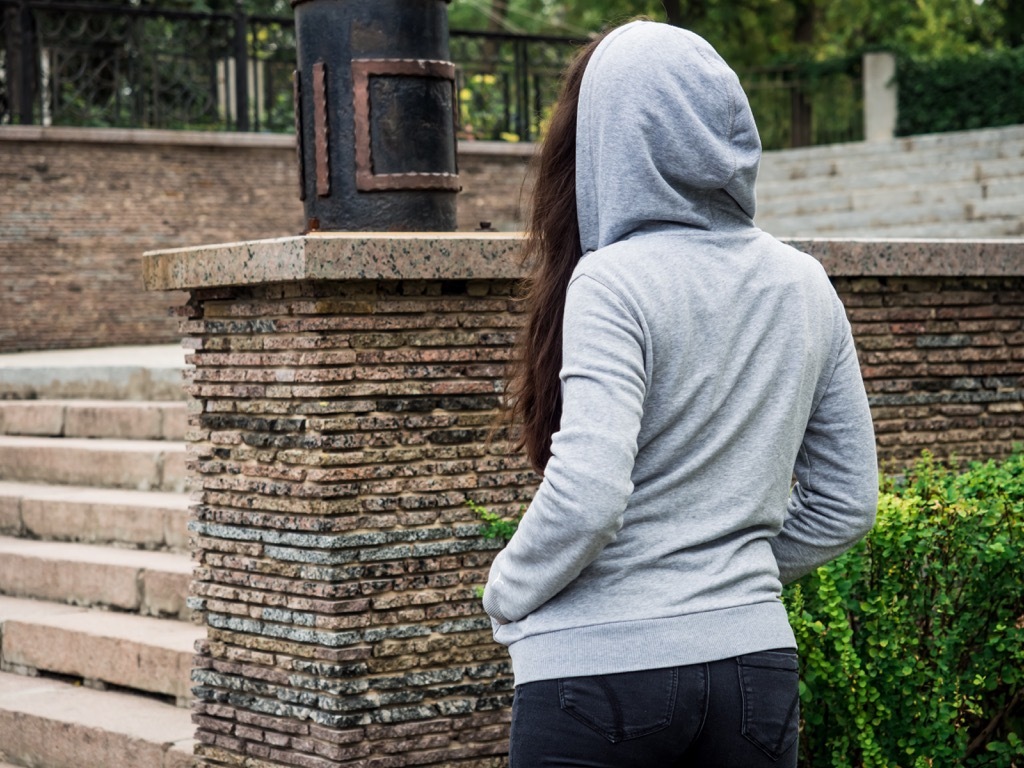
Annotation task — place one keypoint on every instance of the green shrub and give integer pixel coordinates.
(960, 93)
(912, 643)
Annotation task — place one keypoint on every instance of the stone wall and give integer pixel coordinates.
(939, 328)
(78, 207)
(943, 362)
(338, 429)
(343, 427)
(344, 387)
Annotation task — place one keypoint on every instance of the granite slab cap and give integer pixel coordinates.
(337, 256)
(915, 257)
(494, 256)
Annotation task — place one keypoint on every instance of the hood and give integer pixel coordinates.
(665, 138)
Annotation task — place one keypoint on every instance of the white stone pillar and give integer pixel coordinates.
(880, 96)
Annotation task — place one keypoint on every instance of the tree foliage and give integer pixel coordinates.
(765, 32)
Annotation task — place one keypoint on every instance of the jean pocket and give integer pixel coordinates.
(621, 706)
(770, 683)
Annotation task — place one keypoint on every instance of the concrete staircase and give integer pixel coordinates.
(962, 185)
(95, 643)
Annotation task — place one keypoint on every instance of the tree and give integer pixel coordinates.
(763, 32)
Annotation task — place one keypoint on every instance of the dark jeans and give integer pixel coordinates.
(742, 712)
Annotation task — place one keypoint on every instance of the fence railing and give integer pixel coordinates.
(72, 63)
(106, 65)
(797, 106)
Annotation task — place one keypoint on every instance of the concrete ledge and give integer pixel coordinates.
(469, 256)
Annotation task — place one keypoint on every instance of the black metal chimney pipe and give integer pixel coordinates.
(375, 115)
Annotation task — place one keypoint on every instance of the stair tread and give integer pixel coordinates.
(92, 495)
(85, 402)
(38, 712)
(96, 419)
(158, 356)
(171, 562)
(123, 649)
(91, 444)
(141, 465)
(168, 634)
(149, 373)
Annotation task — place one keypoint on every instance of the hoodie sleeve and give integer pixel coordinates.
(833, 503)
(579, 506)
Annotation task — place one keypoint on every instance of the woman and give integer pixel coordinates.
(679, 368)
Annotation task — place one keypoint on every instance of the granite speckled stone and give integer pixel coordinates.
(337, 256)
(868, 257)
(469, 256)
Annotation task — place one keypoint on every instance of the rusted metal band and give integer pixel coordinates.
(362, 69)
(412, 180)
(297, 101)
(321, 130)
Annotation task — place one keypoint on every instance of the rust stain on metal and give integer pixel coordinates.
(321, 130)
(362, 69)
(297, 101)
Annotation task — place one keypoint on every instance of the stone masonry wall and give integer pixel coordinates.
(79, 206)
(337, 432)
(340, 423)
(943, 362)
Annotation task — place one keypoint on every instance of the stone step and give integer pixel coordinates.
(135, 464)
(802, 205)
(893, 177)
(150, 583)
(1009, 187)
(910, 177)
(1005, 136)
(128, 419)
(149, 519)
(908, 197)
(884, 156)
(999, 208)
(108, 373)
(51, 724)
(862, 221)
(949, 229)
(926, 197)
(101, 647)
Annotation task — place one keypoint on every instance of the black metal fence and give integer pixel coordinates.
(106, 65)
(73, 63)
(818, 103)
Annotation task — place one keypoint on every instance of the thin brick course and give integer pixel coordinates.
(943, 362)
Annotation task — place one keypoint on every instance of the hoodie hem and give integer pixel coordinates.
(673, 641)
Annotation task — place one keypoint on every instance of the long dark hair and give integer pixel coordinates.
(551, 250)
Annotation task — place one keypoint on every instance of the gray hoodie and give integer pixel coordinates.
(705, 366)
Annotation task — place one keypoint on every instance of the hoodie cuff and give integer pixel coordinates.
(491, 606)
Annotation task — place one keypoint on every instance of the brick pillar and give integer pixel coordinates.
(344, 387)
